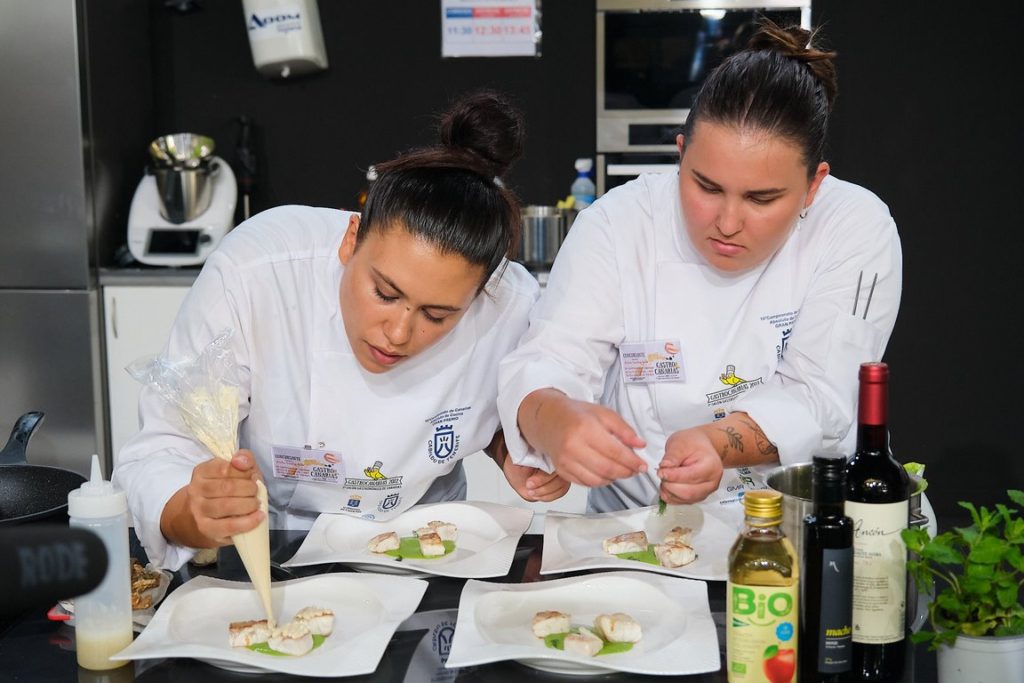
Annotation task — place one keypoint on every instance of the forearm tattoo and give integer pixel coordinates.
(735, 440)
(764, 446)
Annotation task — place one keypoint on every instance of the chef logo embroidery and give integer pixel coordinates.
(353, 501)
(735, 384)
(375, 480)
(780, 350)
(444, 444)
(441, 639)
(390, 502)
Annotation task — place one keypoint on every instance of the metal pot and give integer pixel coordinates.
(794, 483)
(544, 228)
(32, 492)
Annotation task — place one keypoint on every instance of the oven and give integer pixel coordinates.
(652, 56)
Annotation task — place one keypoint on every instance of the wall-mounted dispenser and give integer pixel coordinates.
(285, 37)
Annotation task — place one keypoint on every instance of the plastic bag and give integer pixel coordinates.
(205, 390)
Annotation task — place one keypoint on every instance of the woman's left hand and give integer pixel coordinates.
(691, 469)
(533, 484)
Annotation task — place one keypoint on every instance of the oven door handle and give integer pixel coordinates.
(637, 169)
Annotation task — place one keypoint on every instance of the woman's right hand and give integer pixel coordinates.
(589, 444)
(218, 503)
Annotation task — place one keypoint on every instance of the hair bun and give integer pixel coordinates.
(486, 124)
(797, 43)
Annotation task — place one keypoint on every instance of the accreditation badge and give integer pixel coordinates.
(652, 362)
(308, 464)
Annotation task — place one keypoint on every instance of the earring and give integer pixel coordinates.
(803, 214)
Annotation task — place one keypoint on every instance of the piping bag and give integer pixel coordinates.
(206, 392)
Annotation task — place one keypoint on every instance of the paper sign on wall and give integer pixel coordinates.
(490, 28)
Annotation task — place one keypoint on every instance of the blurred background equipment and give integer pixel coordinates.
(184, 204)
(285, 37)
(245, 164)
(47, 563)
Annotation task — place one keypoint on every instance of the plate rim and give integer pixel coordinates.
(513, 520)
(398, 604)
(553, 563)
(692, 595)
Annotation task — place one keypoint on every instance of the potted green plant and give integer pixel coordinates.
(976, 574)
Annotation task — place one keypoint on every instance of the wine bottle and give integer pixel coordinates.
(762, 596)
(826, 578)
(878, 501)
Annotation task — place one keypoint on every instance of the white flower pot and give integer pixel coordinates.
(982, 660)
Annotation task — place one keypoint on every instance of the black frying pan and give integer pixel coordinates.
(31, 492)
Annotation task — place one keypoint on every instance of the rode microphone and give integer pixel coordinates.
(41, 564)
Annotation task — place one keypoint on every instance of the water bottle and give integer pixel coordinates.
(103, 618)
(583, 189)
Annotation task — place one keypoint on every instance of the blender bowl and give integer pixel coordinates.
(183, 166)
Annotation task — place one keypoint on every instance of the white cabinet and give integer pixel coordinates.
(137, 321)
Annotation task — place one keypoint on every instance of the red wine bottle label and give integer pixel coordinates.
(760, 633)
(879, 571)
(835, 640)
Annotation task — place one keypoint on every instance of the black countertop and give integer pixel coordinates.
(34, 649)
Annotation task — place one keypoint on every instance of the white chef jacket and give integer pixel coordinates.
(628, 272)
(274, 281)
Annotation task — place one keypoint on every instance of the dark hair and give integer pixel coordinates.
(453, 194)
(780, 83)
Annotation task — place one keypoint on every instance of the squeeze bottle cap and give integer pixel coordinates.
(97, 497)
(584, 164)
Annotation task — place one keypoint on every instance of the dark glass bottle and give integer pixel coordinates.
(826, 578)
(878, 501)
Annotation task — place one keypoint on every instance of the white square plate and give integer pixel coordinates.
(495, 623)
(486, 544)
(573, 542)
(193, 622)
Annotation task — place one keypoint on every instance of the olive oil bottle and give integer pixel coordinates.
(761, 596)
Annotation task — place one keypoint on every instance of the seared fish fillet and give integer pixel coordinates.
(430, 544)
(446, 530)
(633, 542)
(293, 638)
(618, 628)
(319, 620)
(546, 623)
(679, 534)
(246, 633)
(383, 542)
(674, 554)
(583, 643)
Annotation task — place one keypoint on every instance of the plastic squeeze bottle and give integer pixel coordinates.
(103, 618)
(583, 188)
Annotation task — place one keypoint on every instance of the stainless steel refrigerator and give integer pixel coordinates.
(49, 312)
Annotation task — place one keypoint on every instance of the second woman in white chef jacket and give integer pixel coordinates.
(698, 328)
(368, 349)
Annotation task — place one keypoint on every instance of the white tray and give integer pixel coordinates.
(679, 636)
(486, 545)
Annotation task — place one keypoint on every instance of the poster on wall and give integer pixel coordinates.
(490, 28)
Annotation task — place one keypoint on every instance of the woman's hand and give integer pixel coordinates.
(533, 484)
(691, 469)
(589, 444)
(218, 503)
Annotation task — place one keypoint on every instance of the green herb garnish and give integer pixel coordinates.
(916, 469)
(647, 556)
(662, 506)
(556, 641)
(409, 549)
(265, 649)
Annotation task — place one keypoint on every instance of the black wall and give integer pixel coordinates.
(385, 83)
(927, 118)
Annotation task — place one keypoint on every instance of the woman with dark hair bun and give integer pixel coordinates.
(368, 344)
(700, 328)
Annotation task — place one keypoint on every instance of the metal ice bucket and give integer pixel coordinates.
(794, 483)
